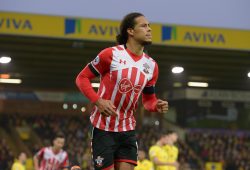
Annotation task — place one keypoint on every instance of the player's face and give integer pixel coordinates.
(142, 31)
(59, 143)
(23, 157)
(165, 139)
(174, 137)
(141, 155)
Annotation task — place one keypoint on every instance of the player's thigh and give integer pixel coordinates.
(127, 150)
(103, 146)
(124, 166)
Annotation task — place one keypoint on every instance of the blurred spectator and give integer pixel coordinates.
(6, 155)
(19, 164)
(143, 163)
(229, 148)
(209, 146)
(52, 157)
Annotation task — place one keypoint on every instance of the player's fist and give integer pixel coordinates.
(162, 106)
(75, 167)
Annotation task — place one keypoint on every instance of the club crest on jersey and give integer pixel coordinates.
(99, 160)
(146, 68)
(125, 86)
(96, 60)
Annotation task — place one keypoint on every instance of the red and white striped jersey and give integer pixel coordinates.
(52, 161)
(123, 77)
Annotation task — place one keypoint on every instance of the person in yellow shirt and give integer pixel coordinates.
(19, 164)
(143, 163)
(158, 155)
(171, 149)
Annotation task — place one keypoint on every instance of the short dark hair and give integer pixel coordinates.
(127, 22)
(19, 153)
(59, 135)
(164, 132)
(169, 132)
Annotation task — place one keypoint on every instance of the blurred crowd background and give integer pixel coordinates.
(198, 147)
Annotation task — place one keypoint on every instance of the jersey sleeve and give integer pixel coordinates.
(149, 101)
(149, 165)
(15, 167)
(65, 163)
(84, 84)
(40, 153)
(153, 152)
(101, 64)
(146, 165)
(149, 98)
(154, 78)
(176, 152)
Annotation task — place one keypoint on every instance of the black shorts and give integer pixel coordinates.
(111, 147)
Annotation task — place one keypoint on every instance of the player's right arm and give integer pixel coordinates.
(99, 66)
(14, 167)
(37, 157)
(157, 162)
(154, 153)
(65, 163)
(36, 162)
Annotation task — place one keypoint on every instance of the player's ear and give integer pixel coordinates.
(130, 31)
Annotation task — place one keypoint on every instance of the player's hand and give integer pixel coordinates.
(177, 165)
(75, 168)
(106, 107)
(162, 106)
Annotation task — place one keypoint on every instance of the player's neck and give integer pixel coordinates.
(159, 143)
(21, 162)
(134, 47)
(55, 150)
(168, 143)
(171, 143)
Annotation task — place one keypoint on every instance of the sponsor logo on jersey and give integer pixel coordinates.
(125, 86)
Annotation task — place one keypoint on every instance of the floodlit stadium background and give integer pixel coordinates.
(208, 43)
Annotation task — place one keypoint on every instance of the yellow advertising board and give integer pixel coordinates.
(31, 25)
(204, 37)
(106, 30)
(213, 166)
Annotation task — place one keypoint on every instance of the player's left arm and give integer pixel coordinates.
(14, 167)
(149, 99)
(176, 152)
(65, 163)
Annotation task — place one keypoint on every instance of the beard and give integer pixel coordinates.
(144, 43)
